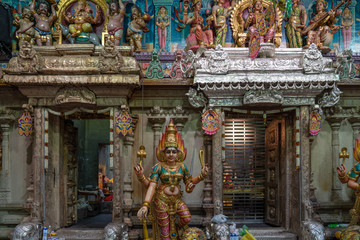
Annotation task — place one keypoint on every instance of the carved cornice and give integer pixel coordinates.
(111, 79)
(78, 65)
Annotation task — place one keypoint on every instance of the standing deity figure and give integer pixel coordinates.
(347, 21)
(164, 202)
(261, 26)
(115, 12)
(199, 35)
(82, 20)
(43, 21)
(220, 14)
(162, 22)
(323, 29)
(351, 178)
(136, 28)
(26, 30)
(296, 22)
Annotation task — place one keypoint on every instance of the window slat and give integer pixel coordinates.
(244, 170)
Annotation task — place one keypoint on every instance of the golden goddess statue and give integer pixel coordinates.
(164, 201)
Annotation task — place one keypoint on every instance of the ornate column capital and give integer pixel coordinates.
(355, 122)
(7, 116)
(180, 117)
(335, 122)
(156, 117)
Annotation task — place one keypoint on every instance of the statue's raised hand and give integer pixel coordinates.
(139, 170)
(205, 170)
(341, 170)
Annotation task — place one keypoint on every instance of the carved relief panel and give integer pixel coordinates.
(0, 151)
(272, 154)
(70, 174)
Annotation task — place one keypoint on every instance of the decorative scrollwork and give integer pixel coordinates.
(313, 61)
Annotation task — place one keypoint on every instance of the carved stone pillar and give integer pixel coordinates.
(5, 168)
(6, 118)
(208, 198)
(355, 124)
(305, 162)
(157, 118)
(335, 123)
(127, 165)
(118, 185)
(36, 174)
(217, 169)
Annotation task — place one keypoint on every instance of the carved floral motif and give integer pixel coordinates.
(75, 95)
(313, 61)
(263, 97)
(110, 60)
(196, 99)
(155, 69)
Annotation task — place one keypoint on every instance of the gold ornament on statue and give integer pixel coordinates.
(344, 154)
(141, 154)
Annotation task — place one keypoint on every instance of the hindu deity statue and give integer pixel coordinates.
(261, 26)
(350, 178)
(164, 201)
(115, 12)
(82, 21)
(43, 21)
(136, 28)
(347, 21)
(220, 14)
(322, 26)
(199, 35)
(162, 22)
(296, 22)
(25, 26)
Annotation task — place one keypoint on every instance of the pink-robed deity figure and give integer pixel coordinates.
(199, 35)
(162, 22)
(164, 200)
(347, 21)
(115, 12)
(43, 21)
(258, 31)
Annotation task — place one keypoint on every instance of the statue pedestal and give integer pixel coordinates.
(267, 50)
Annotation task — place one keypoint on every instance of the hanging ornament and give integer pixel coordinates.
(25, 124)
(210, 122)
(315, 122)
(123, 123)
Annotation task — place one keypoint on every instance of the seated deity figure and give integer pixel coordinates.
(164, 201)
(82, 20)
(43, 21)
(261, 26)
(199, 36)
(26, 30)
(322, 30)
(350, 178)
(115, 13)
(136, 28)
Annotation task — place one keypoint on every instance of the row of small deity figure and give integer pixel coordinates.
(36, 25)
